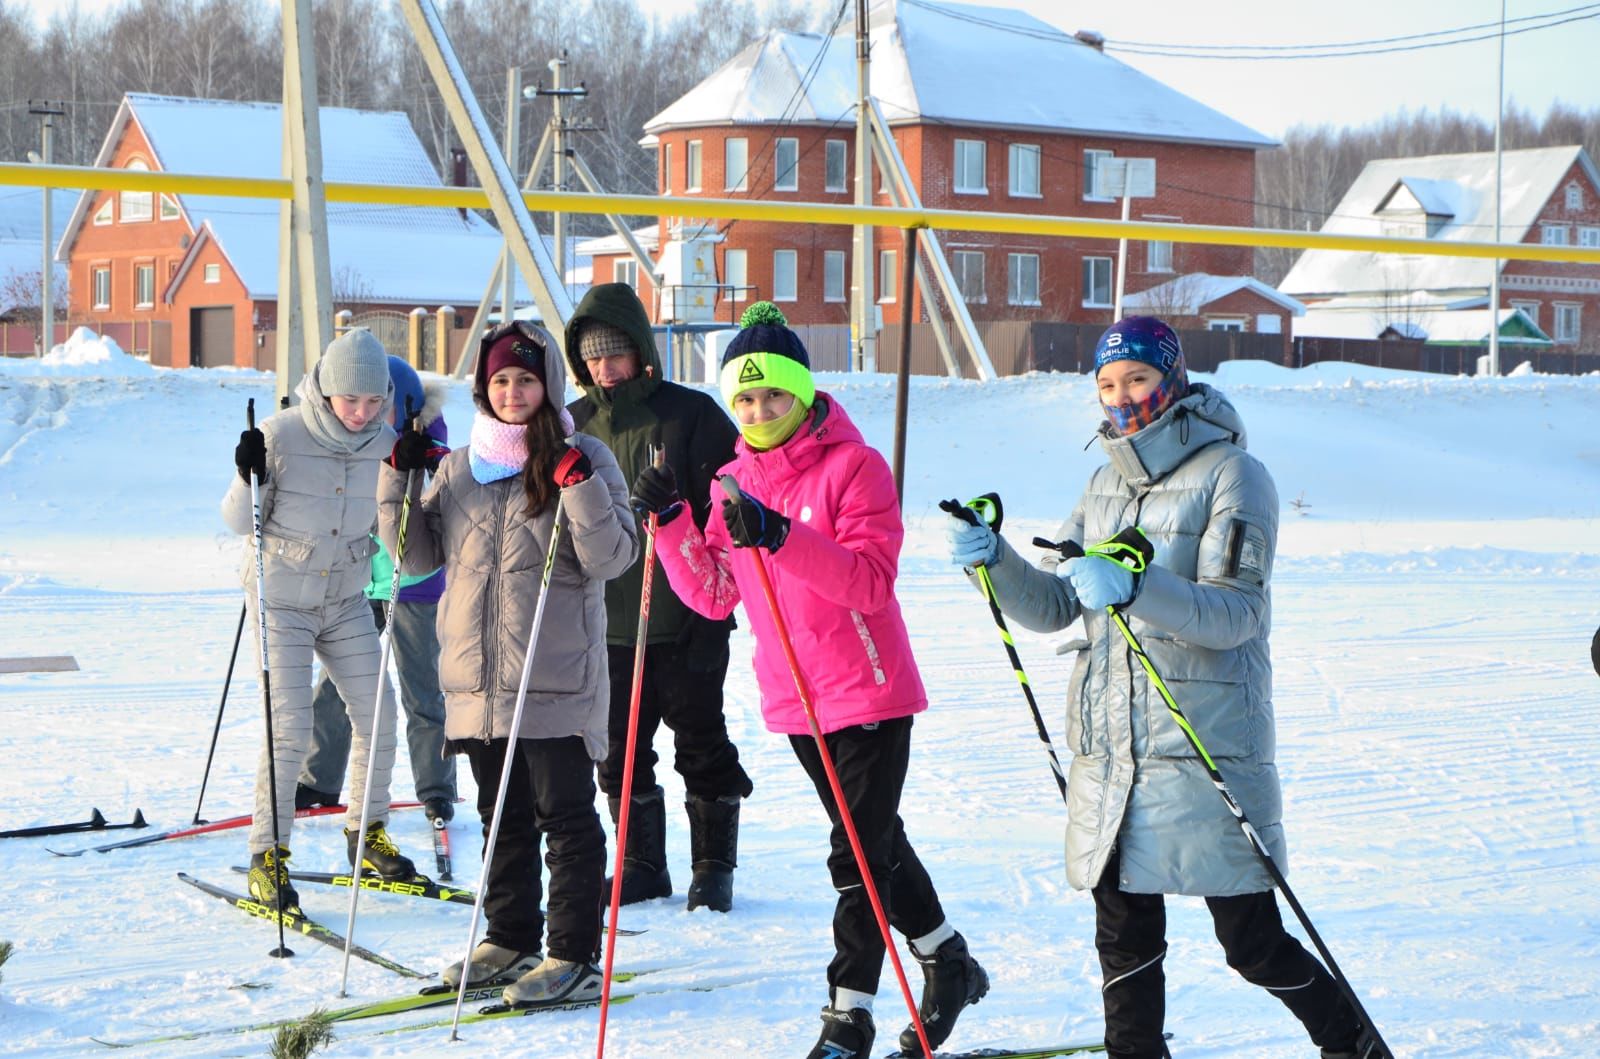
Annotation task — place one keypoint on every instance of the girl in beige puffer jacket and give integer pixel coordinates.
(487, 518)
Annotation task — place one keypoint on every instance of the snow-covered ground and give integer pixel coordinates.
(1438, 720)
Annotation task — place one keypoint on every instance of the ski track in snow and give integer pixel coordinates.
(1436, 729)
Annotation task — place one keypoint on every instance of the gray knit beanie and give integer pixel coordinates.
(354, 363)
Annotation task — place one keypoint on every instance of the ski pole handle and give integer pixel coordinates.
(1066, 549)
(250, 413)
(985, 510)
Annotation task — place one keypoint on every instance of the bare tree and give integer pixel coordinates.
(21, 298)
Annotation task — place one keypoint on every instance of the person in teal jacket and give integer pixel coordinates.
(415, 651)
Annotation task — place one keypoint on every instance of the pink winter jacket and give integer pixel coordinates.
(833, 576)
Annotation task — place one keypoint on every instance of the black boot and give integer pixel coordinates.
(379, 854)
(311, 798)
(952, 980)
(714, 848)
(644, 861)
(269, 876)
(845, 1035)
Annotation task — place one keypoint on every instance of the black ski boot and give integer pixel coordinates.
(845, 1035)
(311, 798)
(714, 847)
(438, 808)
(952, 979)
(644, 861)
(268, 877)
(1366, 1047)
(379, 854)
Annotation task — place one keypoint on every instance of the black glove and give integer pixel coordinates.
(752, 524)
(251, 455)
(655, 492)
(573, 468)
(416, 451)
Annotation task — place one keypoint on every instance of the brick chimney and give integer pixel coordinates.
(458, 172)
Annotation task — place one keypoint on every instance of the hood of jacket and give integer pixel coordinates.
(615, 304)
(555, 376)
(1200, 417)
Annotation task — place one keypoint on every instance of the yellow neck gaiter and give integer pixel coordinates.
(774, 432)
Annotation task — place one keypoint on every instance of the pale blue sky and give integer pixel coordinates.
(1542, 65)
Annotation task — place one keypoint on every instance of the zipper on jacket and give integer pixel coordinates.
(492, 638)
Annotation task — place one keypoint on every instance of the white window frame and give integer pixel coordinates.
(837, 160)
(833, 275)
(1574, 197)
(785, 261)
(969, 155)
(666, 169)
(136, 207)
(101, 301)
(1158, 255)
(1553, 234)
(625, 270)
(1226, 323)
(1588, 235)
(1017, 268)
(1568, 312)
(888, 275)
(213, 273)
(963, 263)
(787, 176)
(106, 214)
(1091, 266)
(1019, 158)
(1091, 191)
(144, 285)
(736, 273)
(692, 160)
(169, 208)
(736, 159)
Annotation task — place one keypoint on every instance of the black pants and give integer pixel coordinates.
(550, 796)
(1131, 935)
(682, 687)
(871, 762)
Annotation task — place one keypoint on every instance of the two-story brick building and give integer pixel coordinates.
(193, 279)
(991, 110)
(1551, 195)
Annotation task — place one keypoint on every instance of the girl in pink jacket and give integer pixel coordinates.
(822, 504)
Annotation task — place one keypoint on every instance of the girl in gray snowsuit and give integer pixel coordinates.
(1143, 817)
(317, 465)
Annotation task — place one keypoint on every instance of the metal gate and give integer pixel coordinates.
(211, 337)
(388, 327)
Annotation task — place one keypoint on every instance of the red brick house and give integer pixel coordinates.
(1551, 196)
(193, 279)
(991, 110)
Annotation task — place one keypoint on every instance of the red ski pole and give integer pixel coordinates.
(651, 524)
(731, 487)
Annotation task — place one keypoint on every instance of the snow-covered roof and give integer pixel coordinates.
(392, 253)
(1459, 187)
(648, 238)
(1188, 294)
(1430, 322)
(951, 63)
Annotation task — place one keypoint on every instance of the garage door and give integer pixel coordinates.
(211, 337)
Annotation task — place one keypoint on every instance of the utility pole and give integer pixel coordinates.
(1494, 280)
(560, 127)
(508, 275)
(47, 112)
(861, 311)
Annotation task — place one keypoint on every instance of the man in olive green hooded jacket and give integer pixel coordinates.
(631, 407)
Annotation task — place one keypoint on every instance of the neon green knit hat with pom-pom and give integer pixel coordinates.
(766, 353)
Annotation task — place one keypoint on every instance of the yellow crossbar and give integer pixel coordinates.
(93, 178)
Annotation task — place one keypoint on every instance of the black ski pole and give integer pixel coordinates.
(227, 680)
(221, 704)
(1132, 550)
(282, 950)
(987, 508)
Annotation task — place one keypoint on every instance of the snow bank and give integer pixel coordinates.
(83, 354)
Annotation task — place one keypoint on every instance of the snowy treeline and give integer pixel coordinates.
(634, 63)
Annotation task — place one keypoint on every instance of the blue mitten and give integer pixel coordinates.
(1098, 583)
(971, 543)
